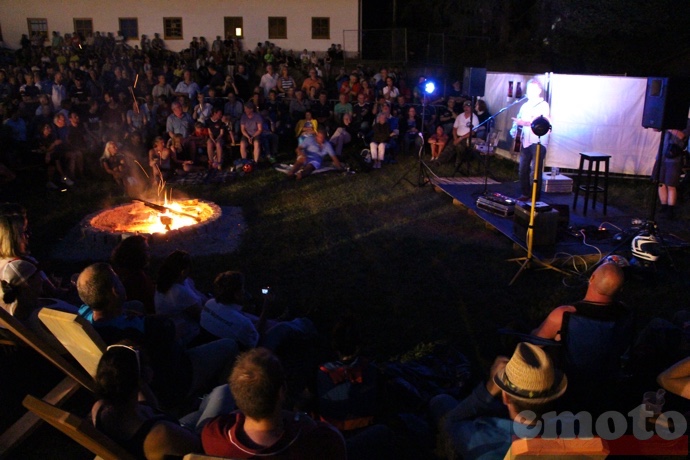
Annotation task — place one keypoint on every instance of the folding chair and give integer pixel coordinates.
(77, 335)
(75, 378)
(77, 428)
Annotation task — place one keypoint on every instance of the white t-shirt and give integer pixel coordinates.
(228, 322)
(173, 303)
(462, 124)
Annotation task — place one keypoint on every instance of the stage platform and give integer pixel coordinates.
(568, 249)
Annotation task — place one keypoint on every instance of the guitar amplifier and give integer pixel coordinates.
(496, 203)
(545, 224)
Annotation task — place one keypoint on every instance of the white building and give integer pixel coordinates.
(310, 24)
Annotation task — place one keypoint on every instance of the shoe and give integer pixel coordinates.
(51, 186)
(67, 181)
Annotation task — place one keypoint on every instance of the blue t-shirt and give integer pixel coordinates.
(315, 152)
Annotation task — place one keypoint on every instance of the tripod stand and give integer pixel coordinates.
(540, 127)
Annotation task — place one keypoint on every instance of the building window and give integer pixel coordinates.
(38, 25)
(83, 26)
(277, 28)
(321, 28)
(129, 28)
(172, 28)
(234, 27)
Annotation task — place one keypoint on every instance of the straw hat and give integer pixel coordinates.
(530, 376)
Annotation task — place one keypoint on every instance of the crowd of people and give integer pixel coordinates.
(94, 102)
(168, 343)
(97, 102)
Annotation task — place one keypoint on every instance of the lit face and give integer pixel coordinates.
(248, 111)
(74, 119)
(360, 98)
(439, 131)
(187, 76)
(60, 121)
(412, 113)
(177, 109)
(320, 137)
(533, 91)
(161, 80)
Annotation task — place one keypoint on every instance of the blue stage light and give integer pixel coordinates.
(429, 87)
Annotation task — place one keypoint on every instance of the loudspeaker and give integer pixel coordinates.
(666, 103)
(474, 81)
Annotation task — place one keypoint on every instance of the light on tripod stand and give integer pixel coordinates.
(540, 126)
(429, 87)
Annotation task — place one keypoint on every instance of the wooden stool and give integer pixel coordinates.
(592, 159)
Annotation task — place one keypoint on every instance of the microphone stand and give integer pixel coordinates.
(422, 173)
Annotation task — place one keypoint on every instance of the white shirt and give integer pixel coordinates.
(529, 111)
(173, 303)
(229, 322)
(462, 124)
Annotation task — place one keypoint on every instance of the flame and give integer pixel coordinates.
(138, 218)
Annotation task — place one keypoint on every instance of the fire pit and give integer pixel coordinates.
(150, 218)
(196, 226)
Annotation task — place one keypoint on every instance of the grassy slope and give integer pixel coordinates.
(412, 266)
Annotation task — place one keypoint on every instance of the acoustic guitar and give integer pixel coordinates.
(518, 139)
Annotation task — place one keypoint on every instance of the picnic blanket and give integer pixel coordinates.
(285, 168)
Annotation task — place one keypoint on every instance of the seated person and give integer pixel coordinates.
(130, 260)
(182, 158)
(197, 143)
(438, 142)
(310, 155)
(348, 392)
(306, 127)
(223, 317)
(22, 283)
(597, 333)
(381, 137)
(260, 427)
(115, 164)
(127, 411)
(216, 141)
(161, 161)
(411, 126)
(343, 135)
(178, 373)
(342, 107)
(482, 425)
(176, 296)
(251, 125)
(600, 301)
(461, 134)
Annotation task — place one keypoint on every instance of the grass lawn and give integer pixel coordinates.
(414, 268)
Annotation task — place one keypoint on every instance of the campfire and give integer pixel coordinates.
(149, 218)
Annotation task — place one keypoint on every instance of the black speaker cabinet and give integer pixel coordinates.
(666, 103)
(474, 81)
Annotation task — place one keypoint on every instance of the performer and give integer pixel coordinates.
(671, 165)
(534, 107)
